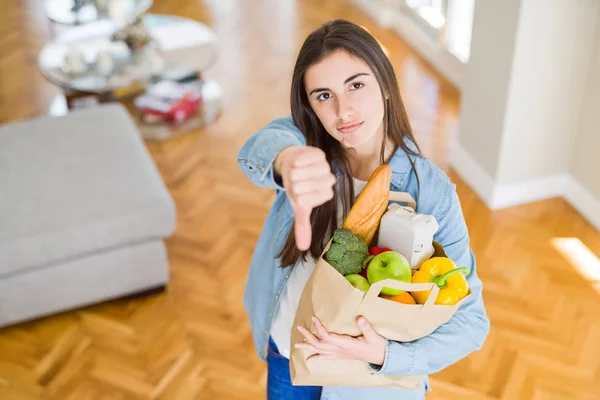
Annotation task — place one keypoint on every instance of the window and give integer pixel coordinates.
(432, 11)
(459, 27)
(449, 21)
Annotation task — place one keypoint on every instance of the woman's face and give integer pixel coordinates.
(344, 93)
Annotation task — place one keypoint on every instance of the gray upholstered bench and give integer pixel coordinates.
(83, 213)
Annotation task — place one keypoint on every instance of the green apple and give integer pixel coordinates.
(389, 265)
(358, 281)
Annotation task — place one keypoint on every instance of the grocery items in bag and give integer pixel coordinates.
(404, 298)
(347, 252)
(443, 272)
(364, 216)
(358, 281)
(351, 277)
(408, 232)
(389, 265)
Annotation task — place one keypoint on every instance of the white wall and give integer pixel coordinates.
(485, 84)
(583, 191)
(586, 161)
(555, 43)
(527, 134)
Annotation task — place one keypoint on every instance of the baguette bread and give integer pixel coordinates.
(364, 216)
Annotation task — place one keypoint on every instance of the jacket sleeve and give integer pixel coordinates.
(257, 155)
(468, 328)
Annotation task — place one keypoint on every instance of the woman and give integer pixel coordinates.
(347, 119)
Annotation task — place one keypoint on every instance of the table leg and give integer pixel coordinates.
(80, 99)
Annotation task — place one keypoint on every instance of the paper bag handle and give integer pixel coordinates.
(405, 198)
(375, 289)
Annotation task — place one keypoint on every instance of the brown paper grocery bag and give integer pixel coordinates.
(337, 304)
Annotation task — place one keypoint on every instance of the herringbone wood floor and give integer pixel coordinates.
(193, 341)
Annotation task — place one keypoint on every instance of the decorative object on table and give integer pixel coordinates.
(135, 35)
(208, 110)
(80, 12)
(78, 5)
(121, 11)
(168, 101)
(102, 6)
(105, 62)
(75, 62)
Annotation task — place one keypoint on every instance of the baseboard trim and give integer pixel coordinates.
(583, 201)
(529, 191)
(502, 196)
(471, 172)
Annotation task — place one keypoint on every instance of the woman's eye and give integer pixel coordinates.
(324, 96)
(357, 85)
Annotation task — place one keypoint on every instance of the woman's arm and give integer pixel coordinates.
(258, 154)
(277, 157)
(467, 330)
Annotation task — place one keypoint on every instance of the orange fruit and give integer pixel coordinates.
(404, 298)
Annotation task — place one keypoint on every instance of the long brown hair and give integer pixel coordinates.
(332, 36)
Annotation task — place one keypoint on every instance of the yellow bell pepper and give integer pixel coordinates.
(443, 272)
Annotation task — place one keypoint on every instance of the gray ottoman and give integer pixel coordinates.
(83, 213)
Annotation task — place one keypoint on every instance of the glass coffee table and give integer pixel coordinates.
(181, 49)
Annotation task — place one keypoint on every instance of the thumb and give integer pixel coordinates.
(366, 329)
(302, 228)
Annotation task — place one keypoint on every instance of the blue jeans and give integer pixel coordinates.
(279, 382)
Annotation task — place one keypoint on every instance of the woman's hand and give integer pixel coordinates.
(308, 181)
(369, 347)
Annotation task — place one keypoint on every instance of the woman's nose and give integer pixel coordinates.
(345, 110)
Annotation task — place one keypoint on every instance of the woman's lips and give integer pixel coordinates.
(349, 128)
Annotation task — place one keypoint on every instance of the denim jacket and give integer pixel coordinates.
(464, 333)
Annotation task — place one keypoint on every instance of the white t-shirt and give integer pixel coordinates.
(281, 328)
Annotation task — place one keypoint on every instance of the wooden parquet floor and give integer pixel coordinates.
(539, 262)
